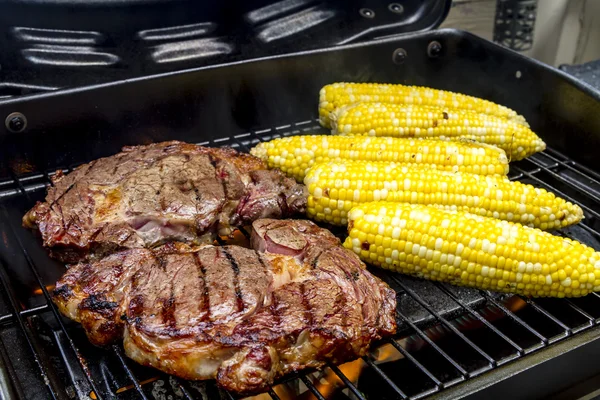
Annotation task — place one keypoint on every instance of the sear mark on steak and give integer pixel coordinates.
(245, 317)
(149, 195)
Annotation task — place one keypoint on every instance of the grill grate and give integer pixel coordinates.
(447, 335)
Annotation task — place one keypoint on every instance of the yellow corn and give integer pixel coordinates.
(397, 120)
(296, 154)
(469, 250)
(340, 94)
(335, 187)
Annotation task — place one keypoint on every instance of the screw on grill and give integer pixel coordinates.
(399, 56)
(434, 49)
(16, 122)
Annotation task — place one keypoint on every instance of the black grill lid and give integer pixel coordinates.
(48, 44)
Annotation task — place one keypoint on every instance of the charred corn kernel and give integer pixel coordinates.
(296, 154)
(396, 120)
(337, 95)
(484, 237)
(491, 196)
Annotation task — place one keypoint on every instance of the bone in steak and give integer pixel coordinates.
(148, 195)
(244, 317)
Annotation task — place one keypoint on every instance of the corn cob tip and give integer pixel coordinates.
(540, 145)
(469, 250)
(573, 214)
(335, 114)
(260, 151)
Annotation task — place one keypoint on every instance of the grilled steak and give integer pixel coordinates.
(148, 195)
(244, 317)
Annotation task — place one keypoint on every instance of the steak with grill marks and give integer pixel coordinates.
(244, 317)
(149, 195)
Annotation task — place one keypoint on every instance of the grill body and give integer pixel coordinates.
(451, 342)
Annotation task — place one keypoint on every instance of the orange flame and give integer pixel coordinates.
(262, 396)
(237, 238)
(387, 353)
(327, 382)
(515, 303)
(330, 382)
(39, 290)
(129, 387)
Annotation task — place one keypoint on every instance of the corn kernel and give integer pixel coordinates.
(339, 94)
(448, 156)
(437, 122)
(372, 179)
(469, 263)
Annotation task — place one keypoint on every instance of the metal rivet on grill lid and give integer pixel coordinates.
(16, 122)
(396, 8)
(399, 56)
(434, 49)
(367, 12)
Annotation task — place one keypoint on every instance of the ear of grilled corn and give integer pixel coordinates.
(398, 120)
(340, 94)
(296, 154)
(469, 250)
(335, 187)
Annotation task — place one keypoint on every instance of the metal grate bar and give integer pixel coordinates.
(384, 376)
(49, 302)
(6, 318)
(38, 279)
(347, 382)
(116, 349)
(258, 137)
(11, 388)
(589, 174)
(243, 147)
(588, 171)
(560, 193)
(427, 339)
(564, 180)
(543, 311)
(119, 353)
(480, 318)
(22, 327)
(514, 317)
(571, 199)
(230, 396)
(312, 387)
(186, 392)
(581, 311)
(445, 322)
(217, 143)
(182, 386)
(273, 394)
(421, 367)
